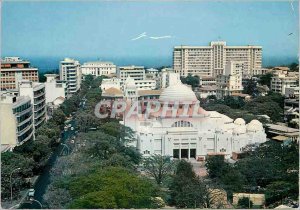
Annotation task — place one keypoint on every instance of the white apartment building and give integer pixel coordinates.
(280, 82)
(54, 88)
(36, 92)
(16, 119)
(207, 81)
(69, 71)
(210, 61)
(98, 68)
(231, 81)
(135, 72)
(169, 78)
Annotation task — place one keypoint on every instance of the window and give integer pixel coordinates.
(182, 124)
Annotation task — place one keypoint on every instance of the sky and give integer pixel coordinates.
(105, 29)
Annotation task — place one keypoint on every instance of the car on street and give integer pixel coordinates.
(31, 192)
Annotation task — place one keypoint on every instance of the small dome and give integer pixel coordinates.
(239, 121)
(254, 125)
(178, 92)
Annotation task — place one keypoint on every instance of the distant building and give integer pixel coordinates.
(292, 92)
(111, 83)
(231, 81)
(98, 68)
(13, 70)
(135, 72)
(152, 71)
(280, 82)
(207, 81)
(69, 71)
(169, 78)
(54, 88)
(206, 91)
(210, 61)
(16, 119)
(36, 92)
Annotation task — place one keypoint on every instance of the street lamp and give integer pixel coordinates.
(11, 183)
(31, 199)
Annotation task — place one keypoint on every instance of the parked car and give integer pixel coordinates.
(31, 193)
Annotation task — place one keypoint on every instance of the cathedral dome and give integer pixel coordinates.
(178, 92)
(239, 121)
(239, 130)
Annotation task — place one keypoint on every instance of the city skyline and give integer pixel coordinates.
(106, 30)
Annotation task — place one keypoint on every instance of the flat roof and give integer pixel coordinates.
(282, 128)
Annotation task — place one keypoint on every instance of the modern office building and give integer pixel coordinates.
(69, 71)
(36, 92)
(280, 82)
(135, 72)
(98, 68)
(210, 61)
(231, 82)
(13, 70)
(16, 119)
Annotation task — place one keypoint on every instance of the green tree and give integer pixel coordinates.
(266, 79)
(112, 187)
(159, 167)
(216, 166)
(194, 81)
(245, 203)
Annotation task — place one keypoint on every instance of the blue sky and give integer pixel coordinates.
(105, 29)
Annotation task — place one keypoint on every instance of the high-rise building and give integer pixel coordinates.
(98, 68)
(36, 92)
(13, 70)
(69, 71)
(231, 81)
(16, 119)
(210, 61)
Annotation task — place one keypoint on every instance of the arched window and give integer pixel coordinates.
(182, 124)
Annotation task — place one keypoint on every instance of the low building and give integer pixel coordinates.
(292, 92)
(207, 81)
(111, 83)
(280, 82)
(54, 88)
(98, 68)
(206, 91)
(36, 92)
(16, 119)
(152, 71)
(281, 132)
(257, 199)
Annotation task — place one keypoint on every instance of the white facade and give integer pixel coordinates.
(185, 136)
(98, 68)
(36, 92)
(210, 61)
(169, 78)
(54, 88)
(292, 92)
(111, 83)
(281, 81)
(231, 81)
(69, 71)
(16, 119)
(135, 72)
